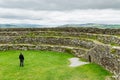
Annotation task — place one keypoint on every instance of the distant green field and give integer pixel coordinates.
(46, 65)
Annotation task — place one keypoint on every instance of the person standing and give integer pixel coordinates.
(21, 58)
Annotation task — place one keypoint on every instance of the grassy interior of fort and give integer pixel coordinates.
(46, 65)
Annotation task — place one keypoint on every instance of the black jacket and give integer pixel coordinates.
(21, 57)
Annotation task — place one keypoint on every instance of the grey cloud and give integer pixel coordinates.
(60, 4)
(21, 14)
(19, 17)
(59, 17)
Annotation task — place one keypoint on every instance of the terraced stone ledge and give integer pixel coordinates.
(104, 38)
(73, 50)
(61, 41)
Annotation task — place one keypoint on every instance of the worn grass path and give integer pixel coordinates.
(46, 65)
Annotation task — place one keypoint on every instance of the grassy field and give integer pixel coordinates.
(46, 65)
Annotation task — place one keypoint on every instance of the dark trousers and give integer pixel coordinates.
(21, 63)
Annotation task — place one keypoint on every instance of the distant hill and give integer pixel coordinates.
(93, 25)
(24, 26)
(19, 26)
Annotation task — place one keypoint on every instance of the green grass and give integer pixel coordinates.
(46, 65)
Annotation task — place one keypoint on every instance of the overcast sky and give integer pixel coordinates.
(60, 11)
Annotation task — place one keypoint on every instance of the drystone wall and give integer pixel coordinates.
(47, 40)
(78, 52)
(67, 29)
(107, 39)
(107, 57)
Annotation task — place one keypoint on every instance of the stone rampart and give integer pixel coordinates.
(105, 56)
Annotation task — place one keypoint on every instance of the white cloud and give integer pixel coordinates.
(8, 15)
